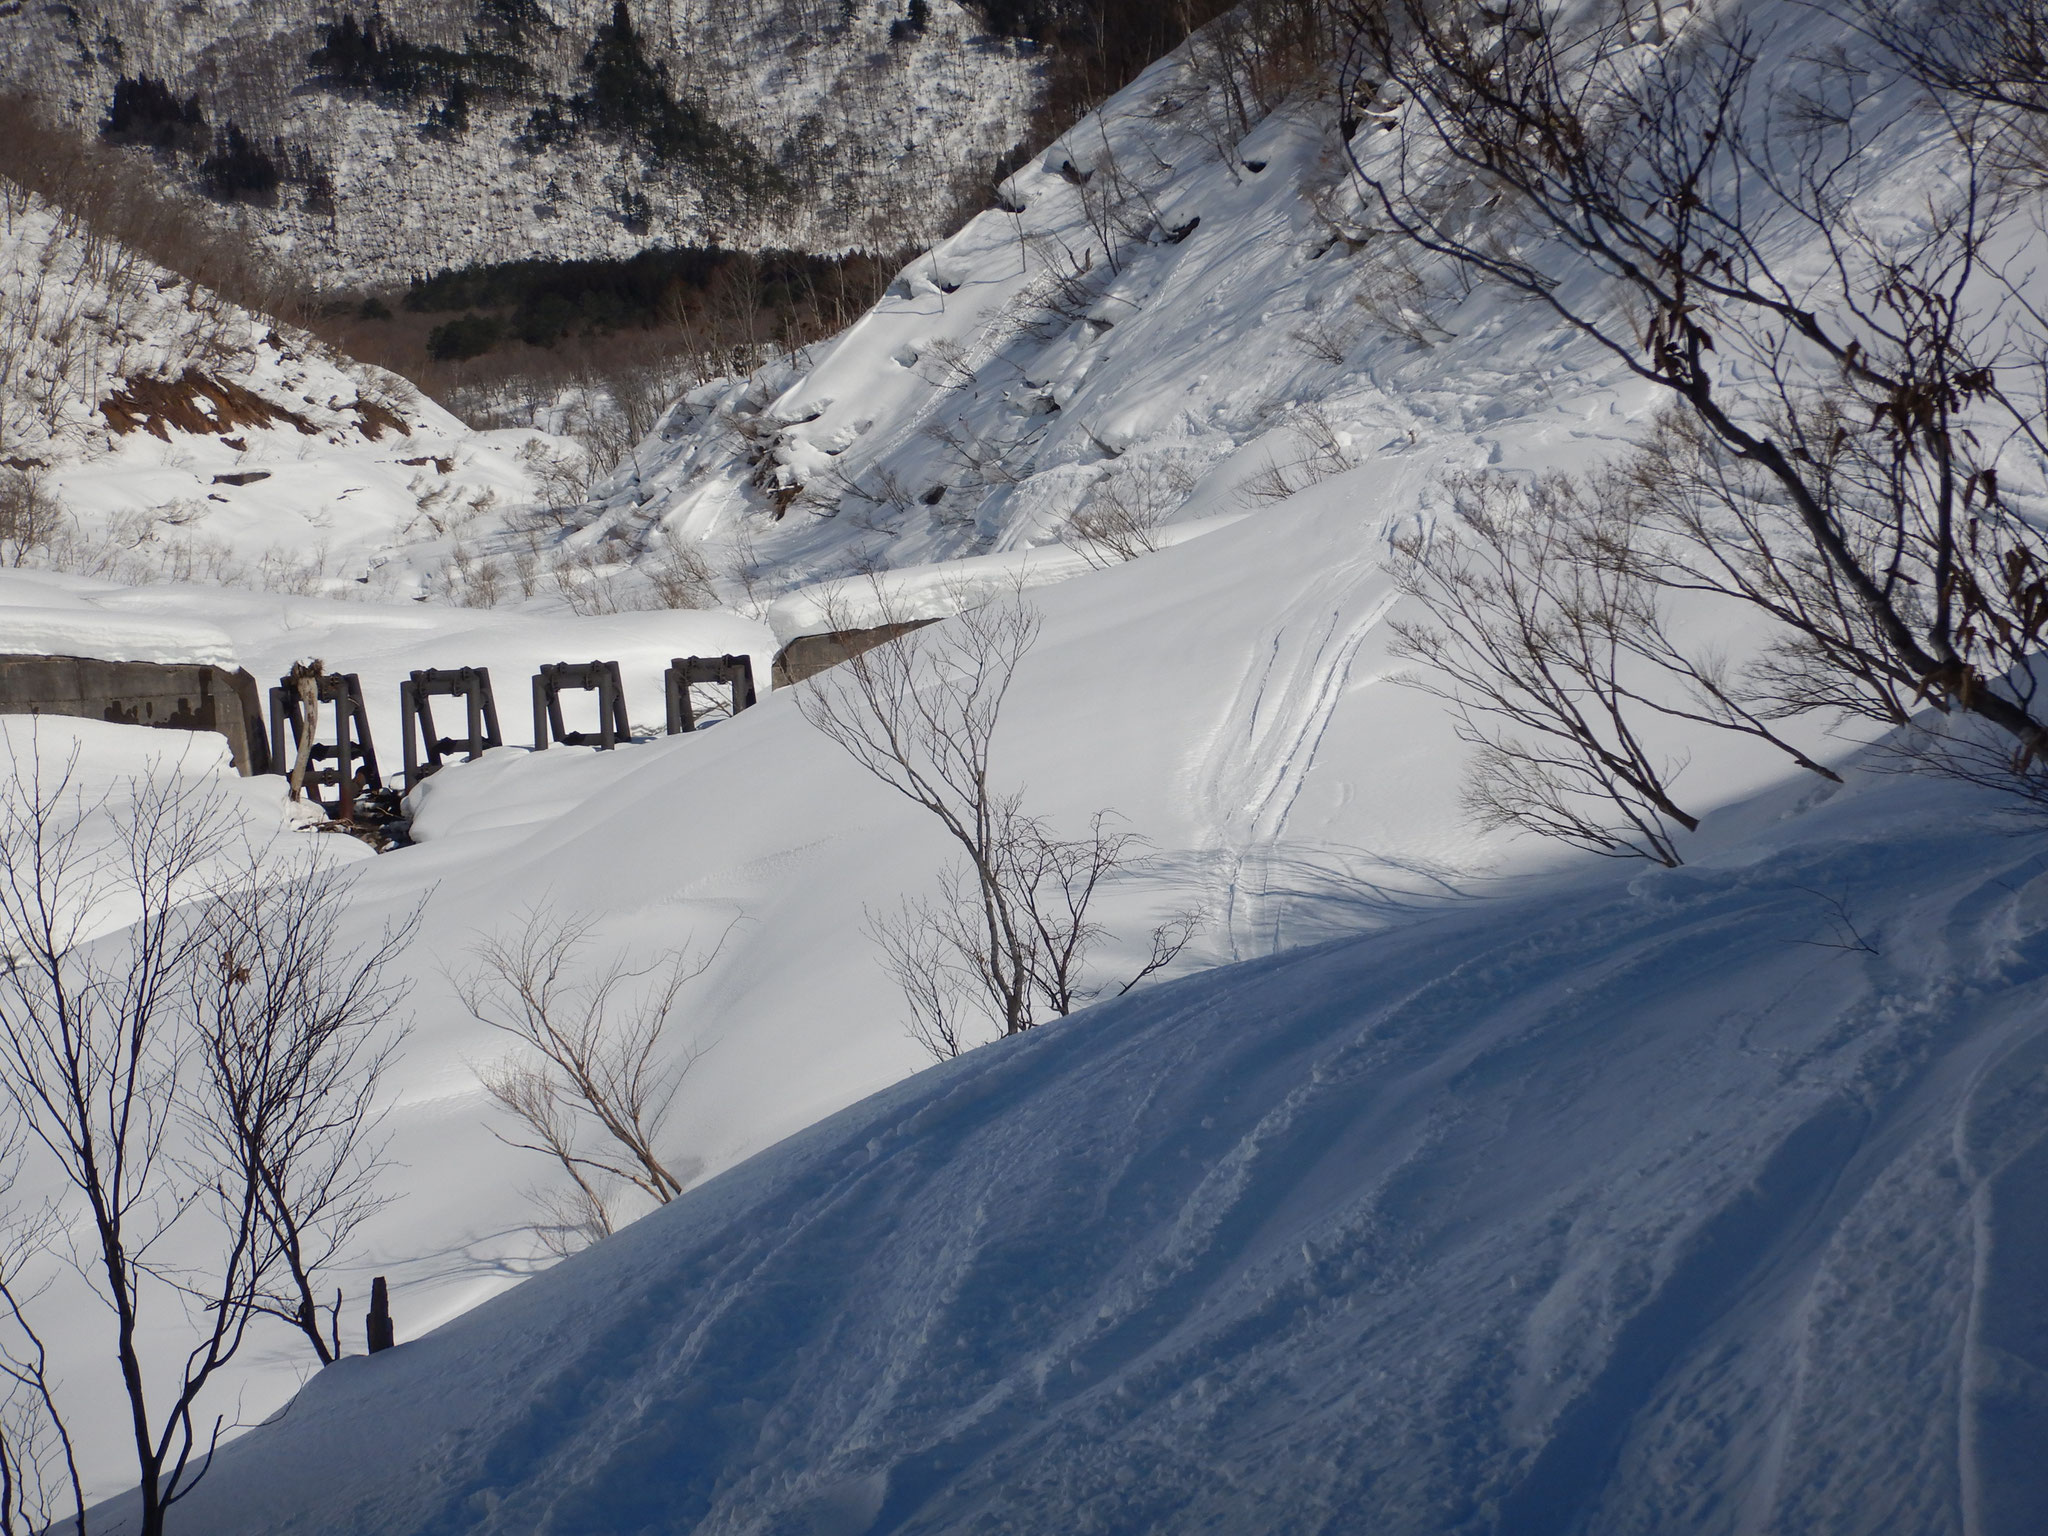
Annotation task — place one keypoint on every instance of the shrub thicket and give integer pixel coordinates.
(627, 95)
(369, 56)
(145, 112)
(1096, 47)
(460, 339)
(238, 170)
(543, 302)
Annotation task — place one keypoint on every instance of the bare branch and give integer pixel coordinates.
(597, 1062)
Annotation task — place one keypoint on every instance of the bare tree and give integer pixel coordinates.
(1517, 647)
(1057, 879)
(96, 1057)
(1007, 938)
(93, 1061)
(1548, 634)
(1857, 413)
(920, 714)
(596, 1080)
(38, 1462)
(1994, 52)
(293, 1040)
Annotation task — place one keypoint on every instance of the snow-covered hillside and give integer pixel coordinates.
(1449, 1185)
(1664, 1203)
(1181, 340)
(150, 429)
(874, 134)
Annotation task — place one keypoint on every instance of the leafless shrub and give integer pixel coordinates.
(526, 571)
(1548, 635)
(1127, 509)
(1859, 421)
(595, 1079)
(1396, 297)
(1115, 204)
(562, 479)
(472, 580)
(1338, 216)
(950, 365)
(680, 572)
(1324, 336)
(590, 582)
(984, 461)
(744, 571)
(1064, 290)
(1322, 450)
(1006, 942)
(29, 516)
(881, 487)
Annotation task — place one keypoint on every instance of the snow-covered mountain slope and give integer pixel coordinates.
(1704, 1201)
(873, 135)
(157, 430)
(1289, 788)
(1182, 338)
(1502, 1243)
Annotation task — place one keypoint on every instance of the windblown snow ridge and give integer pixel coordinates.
(1665, 1207)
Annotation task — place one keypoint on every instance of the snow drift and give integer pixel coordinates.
(1705, 1200)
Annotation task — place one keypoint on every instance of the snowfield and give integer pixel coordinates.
(1447, 1182)
(1647, 1201)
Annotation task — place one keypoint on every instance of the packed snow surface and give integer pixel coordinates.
(1700, 1200)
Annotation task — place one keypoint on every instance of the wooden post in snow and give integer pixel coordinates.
(382, 1335)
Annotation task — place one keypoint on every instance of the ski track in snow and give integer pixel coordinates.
(1260, 755)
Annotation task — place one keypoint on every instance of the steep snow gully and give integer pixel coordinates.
(1703, 1200)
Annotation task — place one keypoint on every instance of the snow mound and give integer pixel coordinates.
(1704, 1200)
(28, 631)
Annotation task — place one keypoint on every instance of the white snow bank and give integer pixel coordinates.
(1542, 1215)
(934, 591)
(946, 587)
(35, 631)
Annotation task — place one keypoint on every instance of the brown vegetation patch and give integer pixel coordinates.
(193, 402)
(376, 417)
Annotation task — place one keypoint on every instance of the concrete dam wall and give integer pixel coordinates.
(169, 696)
